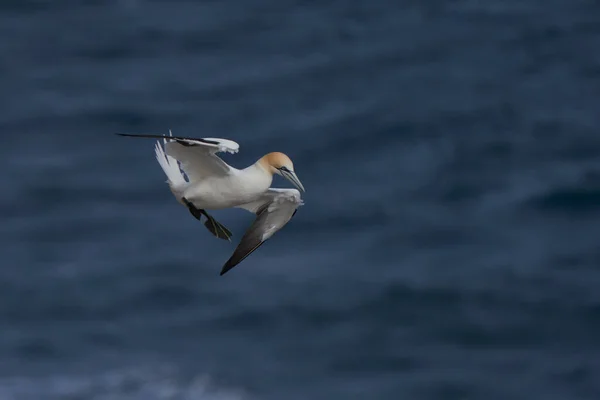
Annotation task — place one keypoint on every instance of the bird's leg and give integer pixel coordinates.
(211, 224)
(193, 210)
(215, 227)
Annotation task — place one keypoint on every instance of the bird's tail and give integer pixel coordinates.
(169, 165)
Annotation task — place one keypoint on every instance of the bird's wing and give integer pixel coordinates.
(273, 211)
(197, 157)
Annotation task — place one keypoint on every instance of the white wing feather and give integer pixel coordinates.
(198, 158)
(274, 198)
(279, 211)
(170, 167)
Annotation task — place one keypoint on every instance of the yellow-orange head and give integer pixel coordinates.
(273, 162)
(280, 164)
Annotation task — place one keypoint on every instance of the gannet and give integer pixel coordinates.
(212, 184)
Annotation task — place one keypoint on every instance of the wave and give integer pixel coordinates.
(128, 384)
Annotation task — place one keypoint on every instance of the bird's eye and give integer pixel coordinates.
(284, 169)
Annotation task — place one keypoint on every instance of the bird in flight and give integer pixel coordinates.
(212, 184)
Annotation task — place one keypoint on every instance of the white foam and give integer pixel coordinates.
(132, 384)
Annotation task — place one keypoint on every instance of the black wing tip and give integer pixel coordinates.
(232, 262)
(226, 268)
(209, 141)
(141, 135)
(178, 139)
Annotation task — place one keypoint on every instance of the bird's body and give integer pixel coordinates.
(232, 190)
(212, 184)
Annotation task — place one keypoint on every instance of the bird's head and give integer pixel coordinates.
(280, 164)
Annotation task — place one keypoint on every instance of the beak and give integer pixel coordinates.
(291, 176)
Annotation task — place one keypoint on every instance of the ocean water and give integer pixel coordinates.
(448, 247)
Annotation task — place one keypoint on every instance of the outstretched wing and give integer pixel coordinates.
(273, 211)
(197, 157)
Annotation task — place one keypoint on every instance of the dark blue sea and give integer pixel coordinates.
(448, 248)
